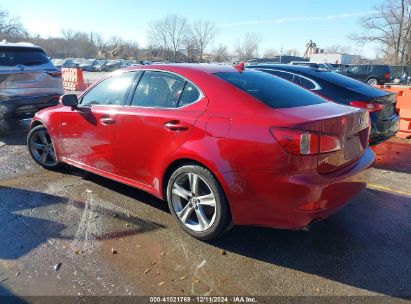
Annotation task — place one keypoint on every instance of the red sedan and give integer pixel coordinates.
(222, 145)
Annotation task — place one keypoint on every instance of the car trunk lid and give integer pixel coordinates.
(340, 133)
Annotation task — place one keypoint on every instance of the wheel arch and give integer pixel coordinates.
(36, 123)
(373, 77)
(177, 163)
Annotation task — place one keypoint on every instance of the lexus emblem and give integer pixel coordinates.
(361, 121)
(20, 67)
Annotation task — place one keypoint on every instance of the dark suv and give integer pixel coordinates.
(371, 74)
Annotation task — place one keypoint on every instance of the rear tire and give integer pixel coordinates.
(41, 148)
(198, 202)
(372, 81)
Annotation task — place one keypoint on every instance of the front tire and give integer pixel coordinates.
(41, 148)
(198, 202)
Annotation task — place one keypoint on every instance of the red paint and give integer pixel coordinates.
(227, 131)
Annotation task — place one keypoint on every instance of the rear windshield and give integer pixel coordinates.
(273, 91)
(11, 56)
(339, 79)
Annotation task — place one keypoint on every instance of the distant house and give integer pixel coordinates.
(335, 58)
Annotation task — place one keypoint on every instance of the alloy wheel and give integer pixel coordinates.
(372, 81)
(194, 202)
(42, 148)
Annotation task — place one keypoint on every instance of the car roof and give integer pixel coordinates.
(298, 68)
(18, 44)
(206, 68)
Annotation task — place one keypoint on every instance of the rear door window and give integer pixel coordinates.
(158, 90)
(190, 95)
(273, 91)
(363, 69)
(11, 56)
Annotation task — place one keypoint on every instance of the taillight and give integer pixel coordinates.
(305, 143)
(387, 75)
(370, 106)
(56, 74)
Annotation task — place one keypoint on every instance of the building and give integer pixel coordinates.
(335, 58)
(276, 59)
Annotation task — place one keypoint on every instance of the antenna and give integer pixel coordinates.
(240, 67)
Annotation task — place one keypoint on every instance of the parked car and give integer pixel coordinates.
(28, 81)
(127, 63)
(347, 91)
(220, 144)
(63, 63)
(89, 65)
(112, 65)
(99, 66)
(370, 74)
(79, 61)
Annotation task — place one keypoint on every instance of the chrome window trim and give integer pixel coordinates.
(316, 85)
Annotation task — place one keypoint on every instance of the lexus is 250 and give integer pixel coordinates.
(222, 145)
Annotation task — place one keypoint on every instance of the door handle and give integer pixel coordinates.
(175, 125)
(107, 120)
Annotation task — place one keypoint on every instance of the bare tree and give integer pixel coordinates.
(248, 47)
(338, 49)
(10, 27)
(130, 50)
(169, 34)
(390, 28)
(291, 52)
(270, 53)
(191, 49)
(99, 42)
(220, 54)
(202, 34)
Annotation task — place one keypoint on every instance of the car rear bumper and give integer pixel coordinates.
(382, 130)
(274, 200)
(26, 107)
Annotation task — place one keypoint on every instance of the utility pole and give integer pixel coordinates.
(281, 53)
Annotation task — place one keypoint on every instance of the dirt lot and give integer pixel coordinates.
(74, 233)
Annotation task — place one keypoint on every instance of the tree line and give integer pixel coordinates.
(389, 28)
(172, 38)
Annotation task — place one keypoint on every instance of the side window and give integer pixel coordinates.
(353, 69)
(379, 69)
(284, 75)
(363, 69)
(190, 94)
(304, 82)
(110, 91)
(158, 89)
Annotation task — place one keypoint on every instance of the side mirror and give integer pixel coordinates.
(69, 100)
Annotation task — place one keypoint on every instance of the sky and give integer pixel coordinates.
(278, 23)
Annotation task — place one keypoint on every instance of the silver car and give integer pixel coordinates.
(28, 81)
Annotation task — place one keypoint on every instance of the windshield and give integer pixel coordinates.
(273, 91)
(11, 56)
